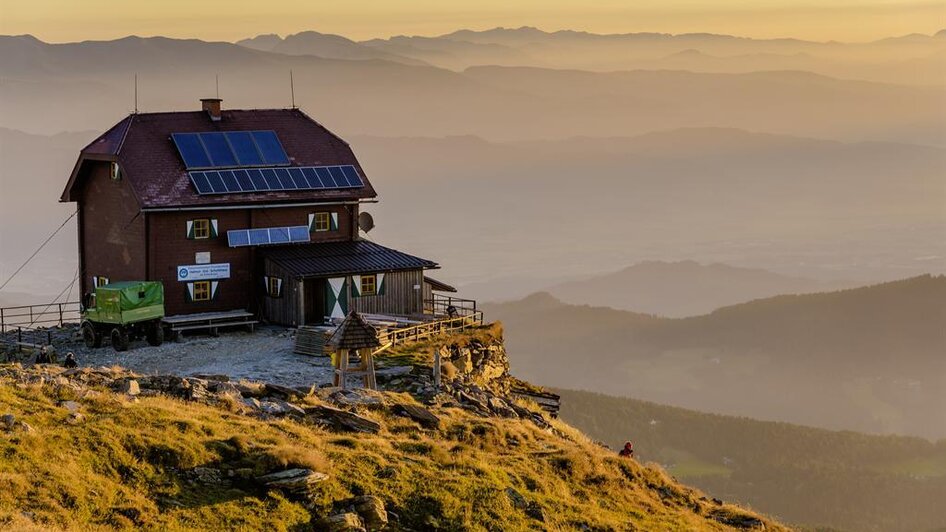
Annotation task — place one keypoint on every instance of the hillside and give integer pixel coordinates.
(680, 289)
(90, 448)
(867, 359)
(850, 481)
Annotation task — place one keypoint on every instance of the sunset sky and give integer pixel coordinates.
(846, 20)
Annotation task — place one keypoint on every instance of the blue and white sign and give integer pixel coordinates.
(202, 272)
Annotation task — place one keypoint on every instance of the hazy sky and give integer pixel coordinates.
(847, 20)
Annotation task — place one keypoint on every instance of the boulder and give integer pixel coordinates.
(341, 419)
(8, 420)
(346, 522)
(297, 481)
(71, 406)
(129, 387)
(419, 414)
(283, 392)
(369, 508)
(357, 397)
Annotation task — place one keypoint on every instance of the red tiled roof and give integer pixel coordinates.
(152, 165)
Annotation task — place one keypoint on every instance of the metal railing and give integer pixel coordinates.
(26, 337)
(441, 305)
(423, 331)
(29, 316)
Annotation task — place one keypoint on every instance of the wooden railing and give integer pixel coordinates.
(29, 316)
(423, 331)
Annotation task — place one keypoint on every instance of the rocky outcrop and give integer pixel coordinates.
(478, 363)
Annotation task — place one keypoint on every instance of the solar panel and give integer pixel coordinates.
(244, 147)
(229, 149)
(269, 145)
(276, 179)
(238, 238)
(259, 237)
(192, 150)
(267, 236)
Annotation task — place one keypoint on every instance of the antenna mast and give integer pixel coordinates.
(217, 84)
(136, 93)
(292, 89)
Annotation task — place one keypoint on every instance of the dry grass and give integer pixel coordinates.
(125, 464)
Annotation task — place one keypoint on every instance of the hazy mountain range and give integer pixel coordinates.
(850, 481)
(912, 59)
(89, 85)
(680, 289)
(867, 359)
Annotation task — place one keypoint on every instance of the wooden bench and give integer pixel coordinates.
(212, 321)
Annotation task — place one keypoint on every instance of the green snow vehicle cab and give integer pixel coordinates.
(124, 311)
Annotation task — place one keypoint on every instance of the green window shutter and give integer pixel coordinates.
(190, 229)
(355, 286)
(189, 292)
(380, 286)
(333, 221)
(213, 290)
(213, 228)
(311, 221)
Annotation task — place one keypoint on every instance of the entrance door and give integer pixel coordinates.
(314, 290)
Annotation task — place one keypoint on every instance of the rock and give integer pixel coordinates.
(291, 409)
(283, 392)
(251, 402)
(9, 421)
(71, 406)
(501, 408)
(212, 377)
(225, 388)
(534, 511)
(737, 520)
(297, 481)
(129, 387)
(357, 397)
(205, 475)
(250, 389)
(369, 508)
(419, 414)
(272, 408)
(342, 419)
(347, 522)
(516, 499)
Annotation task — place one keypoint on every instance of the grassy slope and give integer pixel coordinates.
(804, 475)
(122, 465)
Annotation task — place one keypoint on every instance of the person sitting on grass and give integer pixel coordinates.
(628, 450)
(70, 361)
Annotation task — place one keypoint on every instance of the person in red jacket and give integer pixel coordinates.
(628, 450)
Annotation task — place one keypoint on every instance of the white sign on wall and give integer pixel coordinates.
(202, 257)
(201, 272)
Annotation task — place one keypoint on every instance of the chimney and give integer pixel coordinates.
(212, 106)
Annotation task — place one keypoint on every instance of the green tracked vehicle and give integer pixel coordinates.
(124, 311)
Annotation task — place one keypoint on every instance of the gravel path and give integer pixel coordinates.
(265, 355)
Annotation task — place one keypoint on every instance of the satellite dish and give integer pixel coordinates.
(365, 221)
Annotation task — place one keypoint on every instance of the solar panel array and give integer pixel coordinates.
(227, 149)
(276, 179)
(266, 236)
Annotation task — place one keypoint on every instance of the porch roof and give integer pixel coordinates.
(342, 258)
